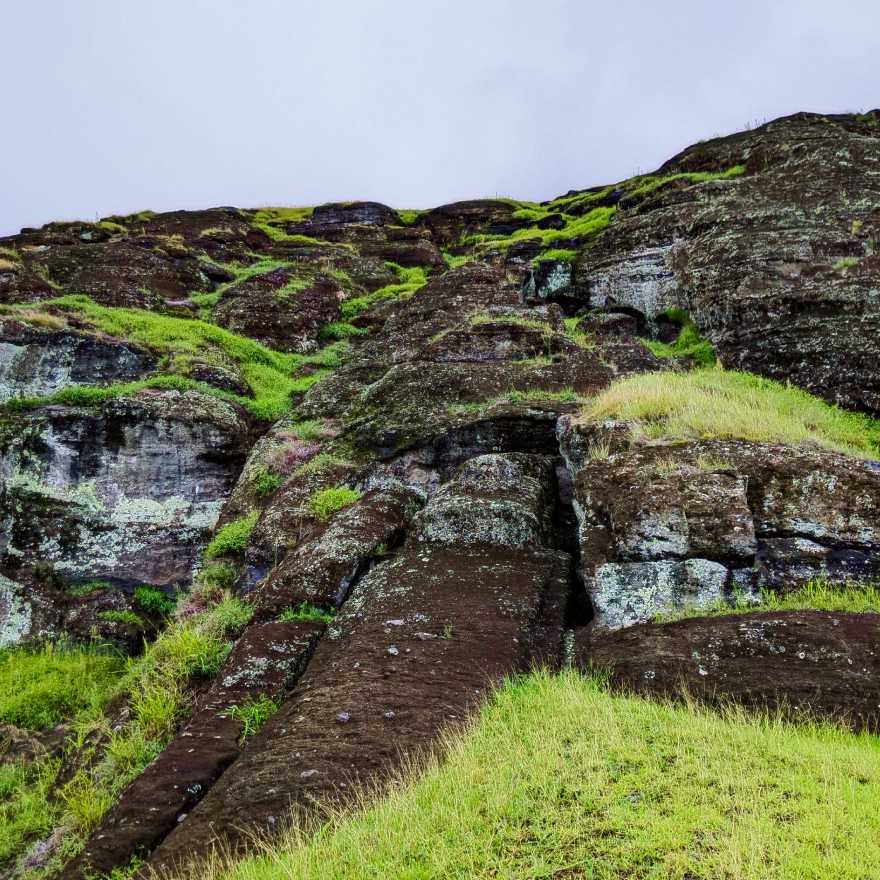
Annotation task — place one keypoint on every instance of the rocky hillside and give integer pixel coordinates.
(379, 460)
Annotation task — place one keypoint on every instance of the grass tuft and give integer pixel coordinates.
(720, 404)
(305, 612)
(815, 595)
(253, 714)
(325, 503)
(39, 688)
(232, 538)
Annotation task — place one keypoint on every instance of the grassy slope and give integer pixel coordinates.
(40, 688)
(559, 778)
(720, 404)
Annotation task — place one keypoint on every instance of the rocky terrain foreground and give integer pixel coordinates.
(376, 432)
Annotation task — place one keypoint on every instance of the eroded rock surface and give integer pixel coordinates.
(406, 453)
(664, 526)
(808, 662)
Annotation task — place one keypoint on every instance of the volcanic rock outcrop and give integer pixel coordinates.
(368, 425)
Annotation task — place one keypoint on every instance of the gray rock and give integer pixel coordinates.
(628, 593)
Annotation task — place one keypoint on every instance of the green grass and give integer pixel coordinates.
(537, 395)
(26, 807)
(129, 618)
(409, 281)
(305, 612)
(232, 538)
(453, 261)
(562, 255)
(649, 183)
(558, 778)
(845, 263)
(586, 226)
(253, 714)
(41, 687)
(720, 404)
(688, 343)
(341, 330)
(268, 373)
(271, 221)
(326, 502)
(154, 601)
(264, 482)
(87, 588)
(579, 337)
(408, 216)
(815, 595)
(101, 760)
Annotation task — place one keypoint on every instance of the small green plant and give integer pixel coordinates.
(688, 344)
(253, 714)
(154, 601)
(129, 618)
(232, 538)
(556, 255)
(579, 337)
(710, 464)
(85, 801)
(845, 263)
(305, 612)
(326, 502)
(599, 450)
(264, 482)
(664, 467)
(453, 261)
(409, 281)
(341, 330)
(87, 588)
(218, 575)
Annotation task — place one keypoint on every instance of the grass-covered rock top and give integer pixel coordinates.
(272, 376)
(815, 595)
(726, 404)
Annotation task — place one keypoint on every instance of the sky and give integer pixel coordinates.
(116, 106)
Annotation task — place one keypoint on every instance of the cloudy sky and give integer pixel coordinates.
(114, 106)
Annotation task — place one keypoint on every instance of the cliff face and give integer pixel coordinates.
(387, 414)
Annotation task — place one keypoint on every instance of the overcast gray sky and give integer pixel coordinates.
(114, 106)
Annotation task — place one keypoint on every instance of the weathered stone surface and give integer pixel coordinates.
(503, 500)
(825, 664)
(321, 571)
(261, 307)
(778, 267)
(355, 212)
(36, 362)
(421, 636)
(128, 492)
(663, 526)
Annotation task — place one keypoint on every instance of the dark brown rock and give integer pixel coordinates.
(824, 664)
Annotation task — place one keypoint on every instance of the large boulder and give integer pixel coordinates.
(669, 526)
(814, 663)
